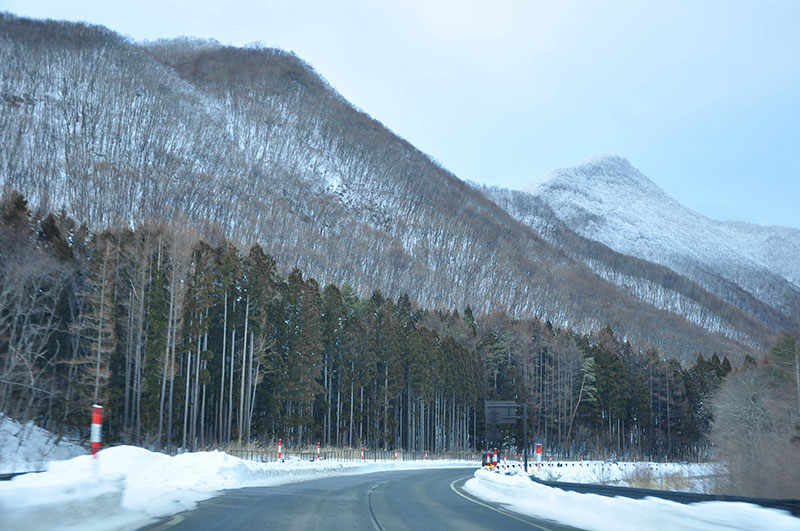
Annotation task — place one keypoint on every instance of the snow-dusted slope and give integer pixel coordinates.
(27, 448)
(608, 200)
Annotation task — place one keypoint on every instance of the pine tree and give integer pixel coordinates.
(154, 362)
(333, 318)
(96, 326)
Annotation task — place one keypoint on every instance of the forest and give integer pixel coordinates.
(190, 343)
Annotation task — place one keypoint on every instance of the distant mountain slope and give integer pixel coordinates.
(253, 144)
(607, 200)
(747, 319)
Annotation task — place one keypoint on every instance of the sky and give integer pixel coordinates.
(701, 96)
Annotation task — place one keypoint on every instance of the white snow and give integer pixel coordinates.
(695, 476)
(28, 448)
(128, 487)
(590, 511)
(608, 200)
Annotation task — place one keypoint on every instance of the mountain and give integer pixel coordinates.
(649, 282)
(607, 200)
(252, 144)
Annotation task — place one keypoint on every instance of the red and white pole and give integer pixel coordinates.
(489, 457)
(317, 451)
(494, 458)
(280, 443)
(395, 454)
(362, 453)
(426, 455)
(97, 424)
(538, 457)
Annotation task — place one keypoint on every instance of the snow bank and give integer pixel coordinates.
(127, 487)
(696, 476)
(25, 448)
(590, 511)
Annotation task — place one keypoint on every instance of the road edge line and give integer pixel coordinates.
(500, 510)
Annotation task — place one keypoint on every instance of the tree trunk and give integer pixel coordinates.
(230, 383)
(165, 366)
(188, 358)
(221, 414)
(100, 326)
(352, 400)
(244, 374)
(250, 390)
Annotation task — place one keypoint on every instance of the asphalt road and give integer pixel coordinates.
(410, 499)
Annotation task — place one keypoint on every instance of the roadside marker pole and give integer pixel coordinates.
(426, 455)
(362, 453)
(97, 424)
(317, 451)
(395, 454)
(280, 442)
(494, 459)
(538, 457)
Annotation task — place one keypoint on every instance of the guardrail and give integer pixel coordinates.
(6, 477)
(353, 454)
(792, 506)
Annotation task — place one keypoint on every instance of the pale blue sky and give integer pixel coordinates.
(702, 96)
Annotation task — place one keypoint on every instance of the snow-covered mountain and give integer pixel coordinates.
(608, 200)
(253, 144)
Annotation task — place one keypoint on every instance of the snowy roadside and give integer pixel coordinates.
(26, 448)
(593, 512)
(128, 487)
(686, 477)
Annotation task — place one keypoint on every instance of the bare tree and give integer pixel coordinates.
(753, 425)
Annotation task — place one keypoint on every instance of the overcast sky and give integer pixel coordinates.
(701, 96)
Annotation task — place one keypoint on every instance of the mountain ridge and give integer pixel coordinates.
(608, 200)
(253, 144)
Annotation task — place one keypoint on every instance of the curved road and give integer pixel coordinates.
(408, 499)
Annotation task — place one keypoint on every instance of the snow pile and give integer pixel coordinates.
(27, 448)
(590, 511)
(127, 487)
(625, 474)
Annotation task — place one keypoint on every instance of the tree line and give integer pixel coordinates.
(190, 344)
(193, 342)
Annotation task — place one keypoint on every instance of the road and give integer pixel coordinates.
(409, 499)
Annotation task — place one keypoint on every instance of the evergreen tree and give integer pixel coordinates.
(96, 326)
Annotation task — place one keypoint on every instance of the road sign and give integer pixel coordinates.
(501, 412)
(506, 412)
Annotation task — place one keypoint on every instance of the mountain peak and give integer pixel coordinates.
(607, 160)
(599, 172)
(606, 199)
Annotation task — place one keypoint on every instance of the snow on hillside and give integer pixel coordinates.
(27, 448)
(608, 200)
(590, 511)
